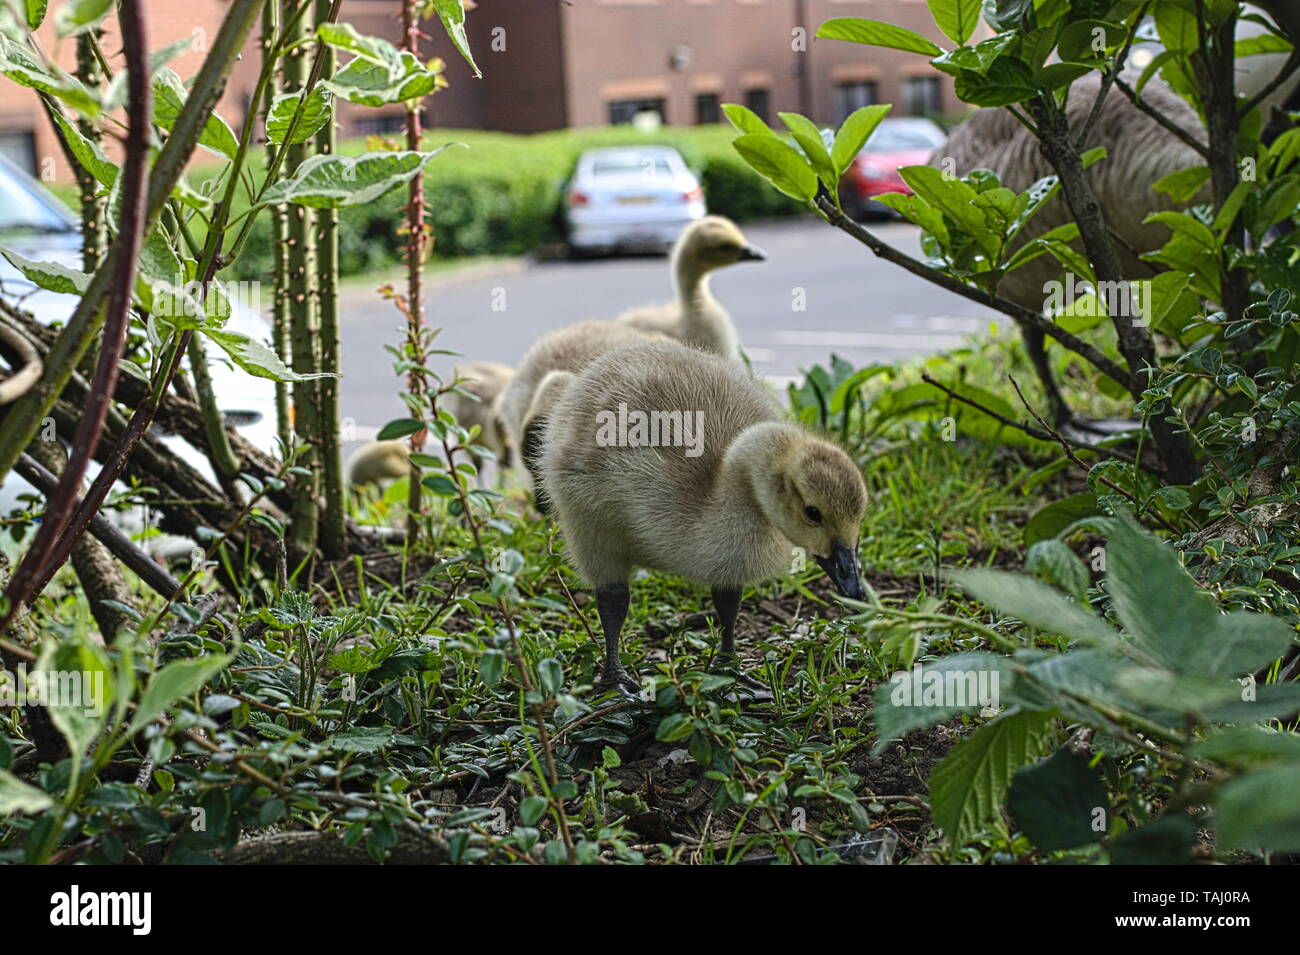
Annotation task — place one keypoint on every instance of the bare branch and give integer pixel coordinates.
(1161, 118)
(1024, 317)
(16, 385)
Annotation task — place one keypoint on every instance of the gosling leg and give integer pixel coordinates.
(727, 602)
(611, 605)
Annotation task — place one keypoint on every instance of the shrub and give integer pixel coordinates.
(503, 197)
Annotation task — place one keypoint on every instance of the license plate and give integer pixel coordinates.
(635, 200)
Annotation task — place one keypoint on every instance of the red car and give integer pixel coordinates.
(895, 143)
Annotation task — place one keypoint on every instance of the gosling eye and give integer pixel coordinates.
(813, 515)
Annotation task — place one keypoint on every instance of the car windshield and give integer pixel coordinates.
(631, 165)
(890, 138)
(23, 208)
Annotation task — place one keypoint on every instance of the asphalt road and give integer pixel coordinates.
(818, 292)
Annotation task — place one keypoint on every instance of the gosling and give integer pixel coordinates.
(523, 406)
(486, 381)
(728, 507)
(696, 317)
(378, 462)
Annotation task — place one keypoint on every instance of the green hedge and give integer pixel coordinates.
(502, 194)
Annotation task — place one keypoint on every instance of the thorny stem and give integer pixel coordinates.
(130, 237)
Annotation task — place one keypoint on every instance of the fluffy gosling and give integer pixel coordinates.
(378, 462)
(566, 349)
(696, 317)
(727, 508)
(486, 380)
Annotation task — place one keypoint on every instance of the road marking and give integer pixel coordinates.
(893, 341)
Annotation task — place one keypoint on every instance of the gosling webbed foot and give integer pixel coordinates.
(620, 682)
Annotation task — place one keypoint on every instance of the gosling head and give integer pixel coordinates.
(820, 502)
(715, 241)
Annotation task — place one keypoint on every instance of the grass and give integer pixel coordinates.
(410, 697)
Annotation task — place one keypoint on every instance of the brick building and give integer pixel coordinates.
(554, 63)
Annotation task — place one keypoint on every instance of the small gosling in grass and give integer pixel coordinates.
(696, 317)
(486, 380)
(378, 462)
(727, 507)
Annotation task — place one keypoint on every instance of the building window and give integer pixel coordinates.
(851, 96)
(623, 110)
(756, 100)
(921, 94)
(706, 108)
(19, 146)
(381, 125)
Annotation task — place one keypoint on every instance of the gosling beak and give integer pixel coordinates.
(844, 571)
(752, 253)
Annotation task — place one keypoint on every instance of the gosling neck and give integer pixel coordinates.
(700, 310)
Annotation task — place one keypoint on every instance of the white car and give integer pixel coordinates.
(630, 196)
(35, 225)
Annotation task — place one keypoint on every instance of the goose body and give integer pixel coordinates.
(566, 349)
(487, 381)
(378, 462)
(720, 488)
(695, 316)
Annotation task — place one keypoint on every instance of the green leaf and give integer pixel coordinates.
(175, 681)
(969, 786)
(452, 14)
(440, 484)
(745, 119)
(853, 135)
(918, 698)
(77, 16)
(1035, 603)
(35, 12)
(955, 199)
(809, 138)
(1260, 811)
(1167, 841)
(49, 275)
(362, 739)
(332, 181)
(1264, 43)
(17, 797)
(779, 163)
(956, 18)
(400, 428)
(88, 153)
(1085, 40)
(674, 727)
(1050, 520)
(1054, 562)
(491, 665)
(1248, 746)
(531, 809)
(1176, 623)
(254, 357)
(875, 33)
(1006, 82)
(344, 36)
(1183, 185)
(169, 99)
(1060, 802)
(79, 685)
(18, 64)
(316, 112)
(370, 83)
(551, 675)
